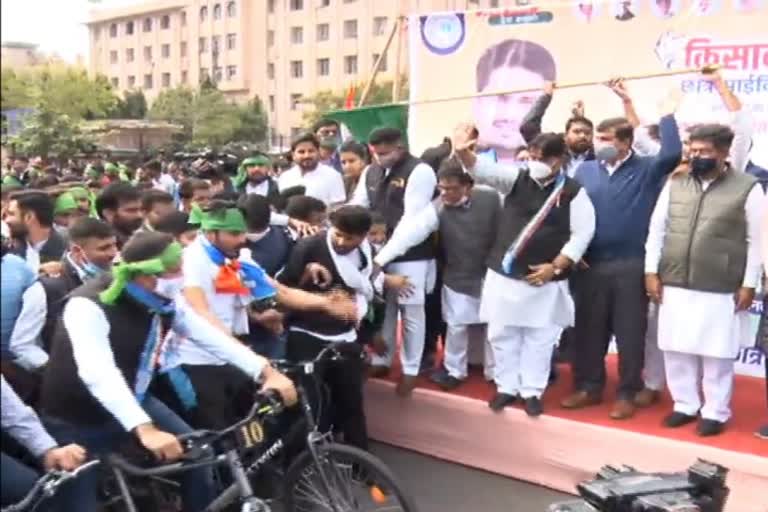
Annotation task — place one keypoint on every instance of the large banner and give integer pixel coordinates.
(575, 41)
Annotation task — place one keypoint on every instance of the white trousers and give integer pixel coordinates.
(523, 357)
(467, 343)
(414, 330)
(684, 374)
(653, 373)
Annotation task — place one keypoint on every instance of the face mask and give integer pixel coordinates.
(701, 166)
(256, 179)
(62, 230)
(606, 152)
(388, 161)
(539, 170)
(169, 287)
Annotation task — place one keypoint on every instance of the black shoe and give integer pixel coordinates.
(427, 365)
(500, 401)
(533, 407)
(445, 380)
(762, 433)
(708, 428)
(678, 419)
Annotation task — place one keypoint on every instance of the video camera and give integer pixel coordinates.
(700, 489)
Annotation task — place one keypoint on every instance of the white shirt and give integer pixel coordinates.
(612, 168)
(165, 183)
(419, 190)
(323, 183)
(32, 255)
(262, 189)
(88, 331)
(25, 342)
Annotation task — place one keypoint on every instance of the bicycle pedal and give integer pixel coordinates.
(378, 495)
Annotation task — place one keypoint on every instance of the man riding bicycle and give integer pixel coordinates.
(110, 344)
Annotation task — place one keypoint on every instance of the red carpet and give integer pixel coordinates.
(748, 404)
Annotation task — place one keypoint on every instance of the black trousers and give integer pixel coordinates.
(343, 409)
(433, 311)
(610, 300)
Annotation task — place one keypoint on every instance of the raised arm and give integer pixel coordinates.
(531, 125)
(498, 176)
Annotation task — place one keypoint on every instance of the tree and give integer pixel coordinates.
(326, 101)
(253, 122)
(133, 105)
(15, 91)
(48, 133)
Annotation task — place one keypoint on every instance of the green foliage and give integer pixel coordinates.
(325, 101)
(16, 91)
(133, 105)
(50, 133)
(207, 118)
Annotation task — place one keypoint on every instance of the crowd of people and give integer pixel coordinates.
(145, 301)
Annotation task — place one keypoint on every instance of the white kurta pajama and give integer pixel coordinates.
(525, 321)
(700, 332)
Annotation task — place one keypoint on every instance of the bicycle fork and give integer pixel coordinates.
(250, 502)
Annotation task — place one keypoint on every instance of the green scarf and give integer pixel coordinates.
(196, 215)
(64, 203)
(123, 272)
(230, 219)
(242, 171)
(111, 169)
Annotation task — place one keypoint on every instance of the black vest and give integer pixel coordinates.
(64, 395)
(386, 195)
(272, 251)
(314, 249)
(56, 291)
(520, 205)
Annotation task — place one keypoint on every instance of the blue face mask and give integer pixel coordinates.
(91, 270)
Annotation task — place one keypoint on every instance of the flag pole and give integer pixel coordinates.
(377, 66)
(398, 55)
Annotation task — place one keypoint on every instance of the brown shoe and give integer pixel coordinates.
(378, 372)
(646, 398)
(406, 385)
(579, 400)
(622, 410)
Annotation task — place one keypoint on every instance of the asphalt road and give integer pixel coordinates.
(440, 486)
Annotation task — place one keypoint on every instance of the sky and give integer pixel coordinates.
(57, 26)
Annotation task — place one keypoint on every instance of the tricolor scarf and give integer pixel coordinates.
(239, 277)
(525, 236)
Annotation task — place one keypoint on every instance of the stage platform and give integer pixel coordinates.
(561, 448)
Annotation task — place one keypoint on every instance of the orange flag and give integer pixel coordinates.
(349, 102)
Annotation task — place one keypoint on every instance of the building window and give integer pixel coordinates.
(271, 71)
(271, 102)
(494, 3)
(325, 3)
(113, 30)
(296, 131)
(147, 25)
(270, 6)
(148, 53)
(350, 29)
(203, 74)
(183, 77)
(129, 56)
(231, 9)
(165, 51)
(297, 69)
(323, 32)
(165, 22)
(383, 65)
(147, 81)
(129, 28)
(217, 74)
(204, 13)
(323, 67)
(113, 57)
(183, 49)
(215, 44)
(348, 1)
(350, 64)
(295, 99)
(96, 33)
(231, 41)
(231, 72)
(115, 82)
(379, 25)
(270, 38)
(202, 45)
(297, 35)
(217, 12)
(297, 5)
(183, 18)
(166, 80)
(131, 81)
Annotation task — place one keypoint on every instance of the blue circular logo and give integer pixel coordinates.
(443, 34)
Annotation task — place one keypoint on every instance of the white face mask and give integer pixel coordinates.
(539, 170)
(169, 287)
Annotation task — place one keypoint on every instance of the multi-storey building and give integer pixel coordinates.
(279, 50)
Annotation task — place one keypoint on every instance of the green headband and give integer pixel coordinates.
(124, 272)
(111, 168)
(230, 219)
(242, 171)
(79, 193)
(64, 203)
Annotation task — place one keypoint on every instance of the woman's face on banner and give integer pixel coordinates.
(498, 117)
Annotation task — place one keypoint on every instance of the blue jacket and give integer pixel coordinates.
(625, 200)
(15, 277)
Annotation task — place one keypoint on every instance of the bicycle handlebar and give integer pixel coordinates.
(46, 485)
(308, 367)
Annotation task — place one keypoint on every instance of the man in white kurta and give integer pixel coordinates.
(527, 308)
(702, 266)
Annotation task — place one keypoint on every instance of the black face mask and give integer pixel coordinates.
(702, 166)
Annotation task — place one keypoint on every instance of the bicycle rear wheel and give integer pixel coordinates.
(357, 481)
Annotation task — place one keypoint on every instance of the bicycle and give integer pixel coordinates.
(324, 475)
(46, 486)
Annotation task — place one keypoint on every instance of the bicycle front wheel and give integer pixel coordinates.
(343, 479)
